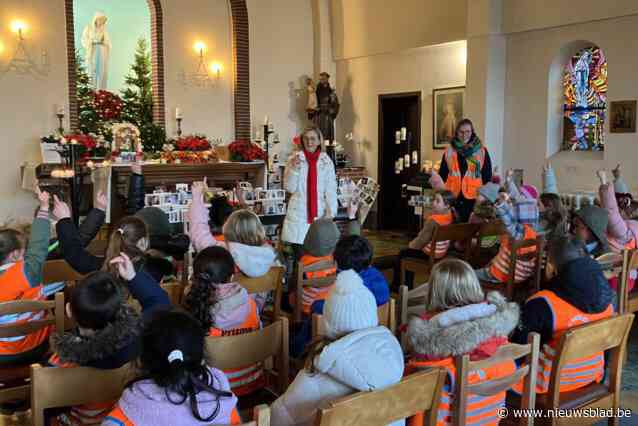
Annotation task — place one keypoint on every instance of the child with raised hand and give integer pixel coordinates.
(21, 267)
(461, 320)
(176, 387)
(554, 217)
(224, 308)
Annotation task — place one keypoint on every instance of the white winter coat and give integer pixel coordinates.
(364, 360)
(296, 182)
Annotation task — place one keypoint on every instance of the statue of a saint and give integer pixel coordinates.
(97, 46)
(328, 107)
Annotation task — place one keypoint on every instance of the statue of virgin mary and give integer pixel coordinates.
(97, 45)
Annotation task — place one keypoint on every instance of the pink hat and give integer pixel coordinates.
(529, 191)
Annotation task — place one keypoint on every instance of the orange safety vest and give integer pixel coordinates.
(310, 294)
(579, 372)
(244, 380)
(440, 250)
(118, 417)
(14, 285)
(468, 184)
(500, 265)
(481, 410)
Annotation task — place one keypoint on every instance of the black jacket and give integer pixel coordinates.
(87, 231)
(580, 283)
(135, 201)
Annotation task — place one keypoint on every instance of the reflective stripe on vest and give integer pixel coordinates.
(500, 265)
(244, 380)
(441, 247)
(579, 372)
(310, 294)
(470, 182)
(481, 410)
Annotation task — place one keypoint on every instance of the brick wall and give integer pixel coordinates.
(241, 62)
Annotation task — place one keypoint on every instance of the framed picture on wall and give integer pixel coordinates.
(448, 105)
(623, 117)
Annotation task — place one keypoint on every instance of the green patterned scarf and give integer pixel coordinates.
(469, 151)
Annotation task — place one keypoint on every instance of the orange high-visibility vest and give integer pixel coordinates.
(14, 285)
(580, 372)
(468, 184)
(481, 410)
(500, 265)
(244, 380)
(310, 294)
(441, 248)
(118, 417)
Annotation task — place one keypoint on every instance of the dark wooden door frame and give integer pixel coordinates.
(380, 142)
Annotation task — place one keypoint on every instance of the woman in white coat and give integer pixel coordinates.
(310, 178)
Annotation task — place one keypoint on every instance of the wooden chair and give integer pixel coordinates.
(175, 291)
(511, 352)
(386, 313)
(627, 301)
(231, 352)
(582, 341)
(461, 232)
(65, 387)
(508, 287)
(14, 380)
(410, 304)
(416, 393)
(272, 281)
(59, 270)
(311, 282)
(479, 257)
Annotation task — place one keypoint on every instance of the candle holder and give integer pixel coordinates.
(60, 122)
(179, 126)
(268, 130)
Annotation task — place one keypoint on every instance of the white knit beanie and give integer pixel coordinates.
(349, 307)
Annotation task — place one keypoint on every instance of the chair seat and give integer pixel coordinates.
(568, 400)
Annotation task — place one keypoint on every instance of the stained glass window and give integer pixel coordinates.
(585, 108)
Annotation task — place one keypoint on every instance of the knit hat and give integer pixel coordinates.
(349, 307)
(321, 238)
(529, 191)
(156, 221)
(620, 187)
(489, 191)
(596, 219)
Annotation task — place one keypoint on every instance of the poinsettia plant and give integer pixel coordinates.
(107, 105)
(243, 150)
(192, 143)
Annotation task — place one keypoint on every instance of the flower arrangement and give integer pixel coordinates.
(192, 143)
(107, 105)
(126, 138)
(170, 156)
(245, 151)
(84, 145)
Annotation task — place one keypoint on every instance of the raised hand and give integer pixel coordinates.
(602, 176)
(503, 197)
(353, 207)
(509, 174)
(61, 209)
(198, 188)
(616, 171)
(43, 198)
(101, 201)
(124, 266)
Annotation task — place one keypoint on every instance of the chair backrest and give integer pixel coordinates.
(419, 392)
(64, 387)
(54, 318)
(505, 353)
(302, 282)
(492, 228)
(386, 314)
(521, 251)
(410, 305)
(59, 270)
(629, 263)
(271, 281)
(175, 291)
(232, 352)
(587, 340)
(457, 232)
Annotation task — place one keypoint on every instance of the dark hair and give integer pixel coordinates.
(10, 240)
(171, 331)
(96, 300)
(220, 209)
(626, 205)
(555, 212)
(353, 252)
(563, 250)
(463, 122)
(125, 236)
(213, 265)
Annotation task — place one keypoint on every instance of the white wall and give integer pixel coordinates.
(362, 80)
(528, 105)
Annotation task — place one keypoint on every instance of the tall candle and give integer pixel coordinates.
(178, 113)
(397, 137)
(258, 135)
(404, 133)
(265, 120)
(61, 110)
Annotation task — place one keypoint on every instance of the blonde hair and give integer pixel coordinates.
(244, 226)
(319, 135)
(453, 283)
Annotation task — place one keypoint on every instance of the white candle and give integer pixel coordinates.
(397, 137)
(258, 135)
(178, 113)
(266, 121)
(61, 110)
(404, 133)
(271, 127)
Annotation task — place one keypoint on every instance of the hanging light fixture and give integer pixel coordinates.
(21, 63)
(202, 76)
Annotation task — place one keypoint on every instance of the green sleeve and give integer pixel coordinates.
(37, 251)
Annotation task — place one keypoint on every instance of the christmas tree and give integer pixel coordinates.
(88, 118)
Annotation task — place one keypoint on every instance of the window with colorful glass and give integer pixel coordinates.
(585, 108)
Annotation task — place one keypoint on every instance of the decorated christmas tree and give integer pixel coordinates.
(89, 120)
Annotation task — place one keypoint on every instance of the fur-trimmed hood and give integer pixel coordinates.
(103, 346)
(462, 335)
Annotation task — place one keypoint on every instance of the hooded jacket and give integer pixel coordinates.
(580, 283)
(365, 360)
(619, 231)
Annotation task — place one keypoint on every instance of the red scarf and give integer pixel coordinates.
(312, 159)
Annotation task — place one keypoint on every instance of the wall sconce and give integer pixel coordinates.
(202, 76)
(21, 62)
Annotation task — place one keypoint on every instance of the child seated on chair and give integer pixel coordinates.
(461, 320)
(108, 328)
(176, 387)
(356, 355)
(577, 293)
(224, 308)
(554, 217)
(589, 225)
(21, 267)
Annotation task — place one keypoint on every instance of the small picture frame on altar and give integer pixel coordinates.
(181, 187)
(271, 210)
(247, 186)
(281, 194)
(249, 196)
(364, 181)
(262, 195)
(281, 208)
(258, 208)
(369, 200)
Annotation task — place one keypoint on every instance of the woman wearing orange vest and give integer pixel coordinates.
(578, 293)
(466, 165)
(461, 320)
(224, 308)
